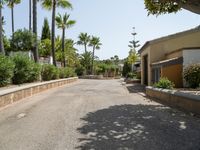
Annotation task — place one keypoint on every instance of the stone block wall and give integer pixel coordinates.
(16, 94)
(183, 101)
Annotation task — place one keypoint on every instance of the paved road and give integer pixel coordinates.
(95, 115)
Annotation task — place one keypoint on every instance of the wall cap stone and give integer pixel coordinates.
(175, 93)
(31, 85)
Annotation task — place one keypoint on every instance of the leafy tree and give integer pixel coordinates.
(45, 48)
(64, 23)
(11, 4)
(6, 43)
(69, 51)
(23, 40)
(116, 59)
(126, 68)
(133, 44)
(95, 43)
(45, 30)
(53, 4)
(168, 6)
(133, 57)
(84, 39)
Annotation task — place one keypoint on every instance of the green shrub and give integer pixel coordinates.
(49, 72)
(61, 73)
(126, 69)
(25, 69)
(56, 74)
(192, 75)
(80, 71)
(164, 83)
(131, 75)
(35, 72)
(69, 72)
(6, 70)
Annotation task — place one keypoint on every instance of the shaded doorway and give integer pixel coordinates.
(145, 70)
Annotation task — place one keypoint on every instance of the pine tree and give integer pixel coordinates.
(45, 30)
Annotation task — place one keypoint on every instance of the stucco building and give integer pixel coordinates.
(168, 56)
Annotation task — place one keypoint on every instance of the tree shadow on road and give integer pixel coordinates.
(139, 127)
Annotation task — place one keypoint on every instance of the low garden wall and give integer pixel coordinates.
(92, 77)
(98, 77)
(173, 98)
(12, 95)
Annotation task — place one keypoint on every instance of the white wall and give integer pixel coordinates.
(191, 57)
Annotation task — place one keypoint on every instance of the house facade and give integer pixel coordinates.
(168, 56)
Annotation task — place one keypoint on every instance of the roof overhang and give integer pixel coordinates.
(167, 62)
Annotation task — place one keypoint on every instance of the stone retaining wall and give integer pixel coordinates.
(12, 95)
(92, 77)
(184, 101)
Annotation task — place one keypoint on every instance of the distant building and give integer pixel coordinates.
(168, 56)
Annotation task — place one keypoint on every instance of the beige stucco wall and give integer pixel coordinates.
(158, 50)
(175, 54)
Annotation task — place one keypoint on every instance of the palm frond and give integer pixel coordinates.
(64, 4)
(46, 4)
(70, 23)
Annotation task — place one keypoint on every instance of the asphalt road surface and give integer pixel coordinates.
(96, 115)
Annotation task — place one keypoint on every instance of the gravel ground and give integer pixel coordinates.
(96, 115)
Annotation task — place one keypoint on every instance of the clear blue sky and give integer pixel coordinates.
(112, 21)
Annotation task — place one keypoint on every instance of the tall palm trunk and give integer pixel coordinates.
(85, 45)
(35, 47)
(12, 17)
(93, 61)
(30, 14)
(63, 46)
(1, 31)
(53, 32)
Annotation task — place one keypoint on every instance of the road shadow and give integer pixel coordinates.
(136, 88)
(139, 127)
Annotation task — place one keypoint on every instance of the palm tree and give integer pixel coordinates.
(35, 47)
(84, 39)
(64, 23)
(53, 4)
(1, 29)
(30, 14)
(11, 4)
(95, 43)
(85, 61)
